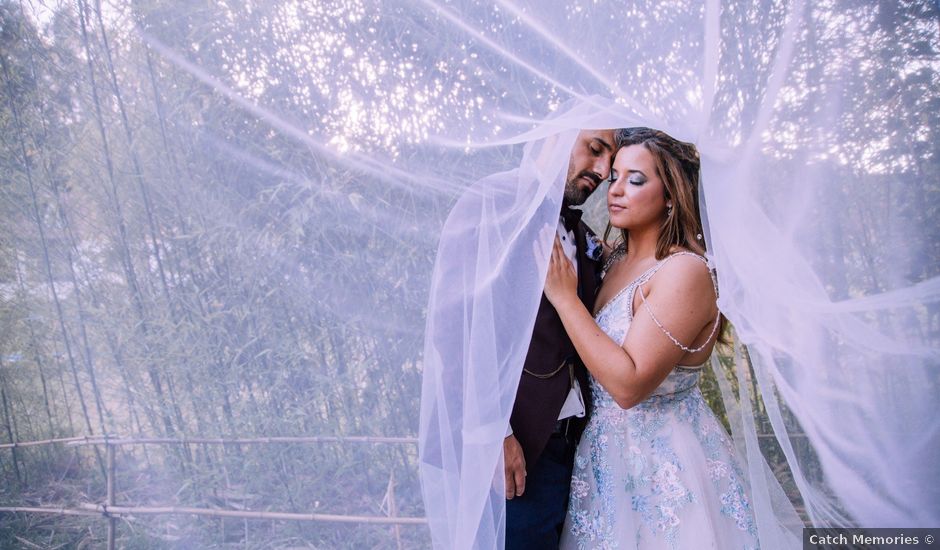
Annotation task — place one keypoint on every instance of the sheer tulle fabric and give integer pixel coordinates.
(827, 285)
(306, 159)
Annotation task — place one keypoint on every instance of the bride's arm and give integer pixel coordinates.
(683, 301)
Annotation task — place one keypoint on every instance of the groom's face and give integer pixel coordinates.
(589, 165)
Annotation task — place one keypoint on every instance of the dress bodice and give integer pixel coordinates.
(615, 318)
(661, 475)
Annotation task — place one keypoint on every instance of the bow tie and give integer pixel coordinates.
(570, 217)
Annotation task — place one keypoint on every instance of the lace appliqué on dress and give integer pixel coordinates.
(653, 461)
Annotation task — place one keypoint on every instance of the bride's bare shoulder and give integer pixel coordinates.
(684, 272)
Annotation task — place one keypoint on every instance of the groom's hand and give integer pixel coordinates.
(515, 467)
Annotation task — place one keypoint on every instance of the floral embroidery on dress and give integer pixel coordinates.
(717, 469)
(735, 505)
(642, 461)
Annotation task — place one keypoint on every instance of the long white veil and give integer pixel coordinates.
(245, 221)
(829, 286)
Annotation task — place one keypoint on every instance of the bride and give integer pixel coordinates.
(654, 468)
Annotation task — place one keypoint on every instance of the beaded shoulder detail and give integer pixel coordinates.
(612, 309)
(664, 330)
(703, 259)
(620, 251)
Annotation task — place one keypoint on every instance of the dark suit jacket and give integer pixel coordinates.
(539, 401)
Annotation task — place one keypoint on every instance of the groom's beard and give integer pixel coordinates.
(576, 192)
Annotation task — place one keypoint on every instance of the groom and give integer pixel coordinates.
(551, 402)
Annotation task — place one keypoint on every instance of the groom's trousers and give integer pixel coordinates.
(534, 520)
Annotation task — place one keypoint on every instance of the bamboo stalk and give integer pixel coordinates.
(88, 509)
(247, 514)
(393, 509)
(130, 274)
(112, 521)
(16, 444)
(33, 343)
(101, 440)
(239, 441)
(47, 262)
(95, 440)
(49, 510)
(11, 432)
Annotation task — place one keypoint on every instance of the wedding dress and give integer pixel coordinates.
(661, 474)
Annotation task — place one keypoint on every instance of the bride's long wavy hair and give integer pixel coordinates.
(678, 166)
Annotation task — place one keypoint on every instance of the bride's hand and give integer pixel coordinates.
(561, 284)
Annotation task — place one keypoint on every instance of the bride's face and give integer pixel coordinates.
(636, 197)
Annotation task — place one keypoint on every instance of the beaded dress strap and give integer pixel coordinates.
(649, 274)
(665, 260)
